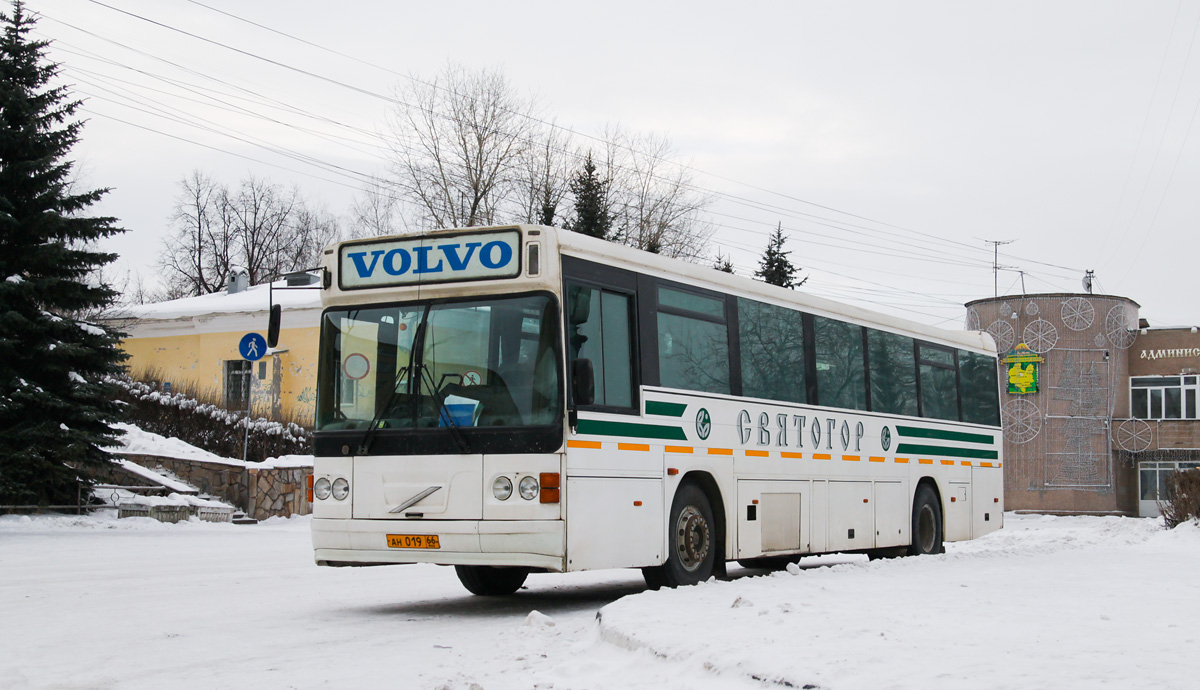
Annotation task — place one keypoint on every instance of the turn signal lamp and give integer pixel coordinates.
(551, 487)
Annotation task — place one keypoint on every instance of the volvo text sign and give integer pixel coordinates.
(431, 259)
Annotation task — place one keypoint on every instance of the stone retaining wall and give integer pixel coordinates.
(260, 492)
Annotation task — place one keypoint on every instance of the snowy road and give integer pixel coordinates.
(1062, 603)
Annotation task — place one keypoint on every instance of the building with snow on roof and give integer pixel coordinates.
(193, 343)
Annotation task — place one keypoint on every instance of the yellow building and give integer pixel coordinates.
(192, 343)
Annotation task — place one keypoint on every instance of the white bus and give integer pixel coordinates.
(526, 399)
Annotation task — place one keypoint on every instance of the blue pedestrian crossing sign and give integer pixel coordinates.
(252, 347)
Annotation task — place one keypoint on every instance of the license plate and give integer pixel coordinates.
(413, 541)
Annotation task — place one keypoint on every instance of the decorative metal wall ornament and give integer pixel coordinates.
(973, 320)
(1117, 327)
(1006, 309)
(1133, 435)
(1022, 420)
(1031, 308)
(1082, 461)
(1083, 386)
(1040, 336)
(1078, 313)
(1099, 340)
(1003, 333)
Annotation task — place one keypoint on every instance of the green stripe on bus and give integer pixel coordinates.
(600, 428)
(665, 409)
(948, 451)
(918, 432)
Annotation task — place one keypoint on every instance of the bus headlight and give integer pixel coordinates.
(529, 488)
(502, 488)
(321, 488)
(341, 488)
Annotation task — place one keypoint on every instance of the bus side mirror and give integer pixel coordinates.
(583, 382)
(273, 326)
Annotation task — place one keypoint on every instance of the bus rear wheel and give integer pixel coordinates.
(926, 523)
(692, 544)
(487, 581)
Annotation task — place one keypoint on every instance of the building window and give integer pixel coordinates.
(237, 383)
(1152, 478)
(1163, 397)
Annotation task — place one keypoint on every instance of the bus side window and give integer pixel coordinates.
(893, 373)
(598, 328)
(938, 381)
(693, 342)
(772, 351)
(840, 370)
(978, 388)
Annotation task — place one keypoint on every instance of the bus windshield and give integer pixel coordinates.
(421, 365)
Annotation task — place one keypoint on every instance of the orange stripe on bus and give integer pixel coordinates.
(583, 444)
(966, 463)
(925, 461)
(758, 454)
(720, 451)
(852, 458)
(947, 462)
(793, 456)
(633, 446)
(902, 461)
(822, 456)
(678, 449)
(877, 459)
(985, 464)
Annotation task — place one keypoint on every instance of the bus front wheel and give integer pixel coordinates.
(926, 523)
(692, 543)
(491, 582)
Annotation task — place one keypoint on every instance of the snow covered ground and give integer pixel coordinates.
(1045, 603)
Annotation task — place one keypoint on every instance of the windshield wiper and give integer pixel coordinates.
(364, 445)
(460, 439)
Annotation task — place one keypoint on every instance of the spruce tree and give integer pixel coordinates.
(774, 267)
(591, 202)
(55, 403)
(723, 264)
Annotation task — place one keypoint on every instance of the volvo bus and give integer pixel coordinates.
(527, 399)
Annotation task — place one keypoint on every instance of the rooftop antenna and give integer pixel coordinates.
(996, 264)
(1088, 279)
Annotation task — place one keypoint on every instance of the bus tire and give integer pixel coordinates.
(692, 543)
(926, 523)
(487, 581)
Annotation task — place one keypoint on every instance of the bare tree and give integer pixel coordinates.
(260, 214)
(376, 211)
(309, 231)
(259, 227)
(192, 258)
(543, 176)
(654, 202)
(456, 143)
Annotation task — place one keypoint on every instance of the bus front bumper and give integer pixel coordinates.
(530, 543)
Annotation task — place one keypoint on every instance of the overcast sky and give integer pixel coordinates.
(890, 139)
